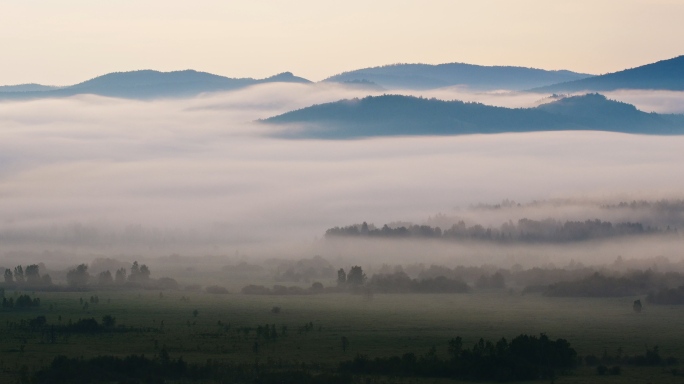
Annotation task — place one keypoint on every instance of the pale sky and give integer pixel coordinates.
(68, 41)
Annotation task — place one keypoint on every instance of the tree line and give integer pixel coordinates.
(523, 358)
(525, 230)
(79, 278)
(26, 277)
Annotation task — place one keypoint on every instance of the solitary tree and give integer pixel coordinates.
(144, 272)
(135, 268)
(637, 306)
(120, 277)
(9, 277)
(78, 277)
(19, 274)
(32, 274)
(356, 276)
(341, 277)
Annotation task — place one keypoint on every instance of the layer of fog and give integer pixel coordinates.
(90, 175)
(374, 253)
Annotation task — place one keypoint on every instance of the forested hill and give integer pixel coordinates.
(147, 84)
(662, 75)
(478, 77)
(392, 115)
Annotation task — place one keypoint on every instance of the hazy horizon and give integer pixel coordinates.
(316, 40)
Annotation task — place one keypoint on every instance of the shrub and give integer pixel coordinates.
(216, 289)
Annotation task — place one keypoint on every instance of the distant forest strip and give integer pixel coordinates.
(577, 281)
(525, 230)
(523, 358)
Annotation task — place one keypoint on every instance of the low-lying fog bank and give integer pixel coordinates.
(88, 177)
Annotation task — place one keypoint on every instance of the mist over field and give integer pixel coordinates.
(92, 175)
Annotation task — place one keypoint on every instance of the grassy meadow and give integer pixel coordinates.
(200, 326)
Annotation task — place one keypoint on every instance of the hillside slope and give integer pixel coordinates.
(393, 115)
(662, 75)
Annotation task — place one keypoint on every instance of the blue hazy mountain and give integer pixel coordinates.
(476, 77)
(393, 115)
(32, 87)
(148, 84)
(662, 75)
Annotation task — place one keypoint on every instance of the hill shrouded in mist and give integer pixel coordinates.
(392, 115)
(26, 88)
(147, 84)
(477, 77)
(662, 75)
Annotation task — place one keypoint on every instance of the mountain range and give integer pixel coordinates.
(394, 115)
(149, 84)
(145, 84)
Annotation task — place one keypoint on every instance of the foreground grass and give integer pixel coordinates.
(381, 325)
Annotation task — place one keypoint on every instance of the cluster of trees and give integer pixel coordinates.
(525, 230)
(492, 277)
(667, 296)
(28, 277)
(23, 301)
(79, 277)
(52, 332)
(524, 358)
(216, 289)
(400, 282)
(354, 278)
(578, 281)
(495, 281)
(651, 357)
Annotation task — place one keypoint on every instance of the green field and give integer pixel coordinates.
(381, 325)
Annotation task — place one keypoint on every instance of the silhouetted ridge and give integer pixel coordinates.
(32, 87)
(425, 76)
(404, 115)
(664, 75)
(146, 84)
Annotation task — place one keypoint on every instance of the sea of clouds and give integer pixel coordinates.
(201, 173)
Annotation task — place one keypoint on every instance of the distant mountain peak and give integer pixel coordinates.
(286, 77)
